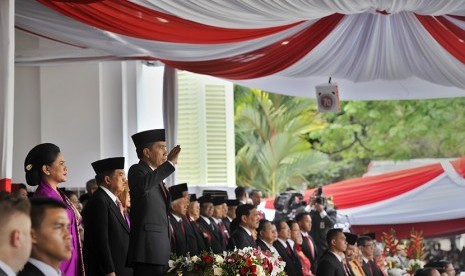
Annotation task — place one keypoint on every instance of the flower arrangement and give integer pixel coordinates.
(415, 253)
(247, 261)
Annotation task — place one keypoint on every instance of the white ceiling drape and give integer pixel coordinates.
(378, 45)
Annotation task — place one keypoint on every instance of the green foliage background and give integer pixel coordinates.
(281, 141)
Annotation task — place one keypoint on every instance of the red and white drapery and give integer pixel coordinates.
(282, 45)
(428, 198)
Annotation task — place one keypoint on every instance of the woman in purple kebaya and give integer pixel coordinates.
(46, 168)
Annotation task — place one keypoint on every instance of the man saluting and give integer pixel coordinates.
(149, 244)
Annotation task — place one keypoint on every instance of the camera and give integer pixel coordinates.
(288, 204)
(319, 196)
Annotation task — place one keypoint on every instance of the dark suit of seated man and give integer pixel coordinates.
(331, 262)
(247, 219)
(293, 266)
(51, 239)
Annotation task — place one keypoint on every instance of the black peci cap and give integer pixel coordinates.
(193, 197)
(351, 238)
(178, 191)
(205, 199)
(218, 200)
(108, 164)
(148, 136)
(232, 202)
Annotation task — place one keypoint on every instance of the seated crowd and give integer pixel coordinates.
(132, 226)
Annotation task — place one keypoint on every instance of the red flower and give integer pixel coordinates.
(249, 261)
(206, 258)
(244, 270)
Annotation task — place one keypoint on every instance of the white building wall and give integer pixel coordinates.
(90, 110)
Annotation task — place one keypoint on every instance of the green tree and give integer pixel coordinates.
(392, 130)
(272, 152)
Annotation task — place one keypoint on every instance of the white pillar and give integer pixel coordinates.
(7, 51)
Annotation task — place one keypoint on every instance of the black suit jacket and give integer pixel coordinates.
(178, 238)
(320, 227)
(241, 239)
(262, 245)
(226, 223)
(28, 270)
(215, 238)
(330, 266)
(368, 271)
(106, 239)
(195, 239)
(293, 266)
(149, 241)
(306, 249)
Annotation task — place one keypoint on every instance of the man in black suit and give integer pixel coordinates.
(367, 246)
(106, 230)
(196, 240)
(149, 241)
(15, 233)
(231, 214)
(308, 245)
(208, 226)
(51, 239)
(293, 266)
(218, 214)
(177, 213)
(267, 235)
(247, 218)
(331, 261)
(322, 221)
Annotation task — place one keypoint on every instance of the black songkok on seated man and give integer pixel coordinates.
(232, 202)
(193, 197)
(178, 191)
(108, 164)
(205, 199)
(218, 201)
(351, 238)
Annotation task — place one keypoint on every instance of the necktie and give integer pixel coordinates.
(163, 188)
(120, 206)
(182, 227)
(346, 268)
(289, 249)
(310, 245)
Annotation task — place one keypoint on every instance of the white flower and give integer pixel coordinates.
(396, 272)
(171, 263)
(260, 271)
(195, 259)
(219, 259)
(217, 271)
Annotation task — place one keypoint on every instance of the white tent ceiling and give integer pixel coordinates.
(373, 49)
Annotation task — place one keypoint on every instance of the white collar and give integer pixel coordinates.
(205, 219)
(176, 217)
(283, 242)
(230, 219)
(246, 230)
(365, 259)
(46, 269)
(110, 194)
(267, 244)
(7, 269)
(215, 220)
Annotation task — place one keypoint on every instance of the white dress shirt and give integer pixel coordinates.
(45, 268)
(7, 269)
